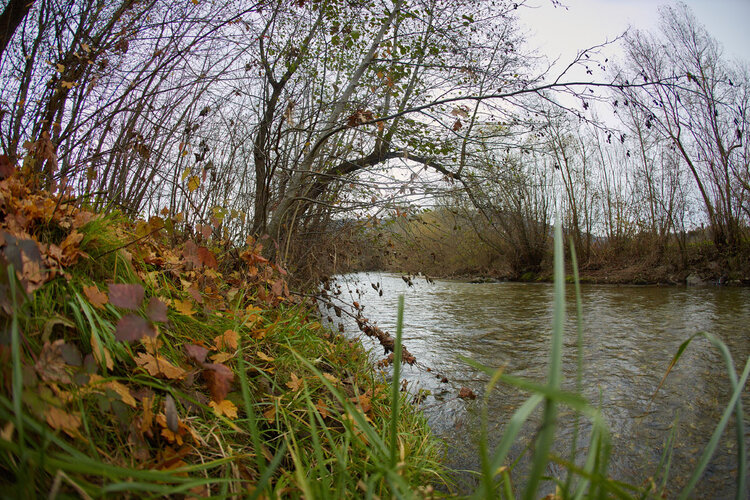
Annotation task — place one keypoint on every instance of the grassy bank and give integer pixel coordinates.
(138, 362)
(440, 245)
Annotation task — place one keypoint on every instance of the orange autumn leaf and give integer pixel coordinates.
(96, 297)
(224, 408)
(322, 408)
(66, 421)
(270, 414)
(158, 366)
(227, 340)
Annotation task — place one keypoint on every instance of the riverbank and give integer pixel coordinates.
(139, 360)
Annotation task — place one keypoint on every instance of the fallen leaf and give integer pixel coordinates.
(331, 379)
(132, 327)
(152, 344)
(322, 408)
(363, 401)
(222, 357)
(218, 378)
(66, 421)
(51, 365)
(96, 297)
(127, 296)
(183, 307)
(158, 365)
(196, 353)
(156, 310)
(98, 382)
(101, 354)
(227, 340)
(295, 384)
(264, 356)
(270, 414)
(225, 408)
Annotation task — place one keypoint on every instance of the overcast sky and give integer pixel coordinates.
(562, 32)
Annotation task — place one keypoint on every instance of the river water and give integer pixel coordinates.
(630, 335)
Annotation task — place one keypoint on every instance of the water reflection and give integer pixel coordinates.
(631, 334)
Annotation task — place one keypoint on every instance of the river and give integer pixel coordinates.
(630, 335)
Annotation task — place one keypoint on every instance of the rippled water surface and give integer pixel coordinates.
(631, 334)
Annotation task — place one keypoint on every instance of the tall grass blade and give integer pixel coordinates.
(547, 431)
(396, 388)
(252, 420)
(714, 441)
(579, 361)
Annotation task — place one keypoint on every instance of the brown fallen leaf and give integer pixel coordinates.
(96, 297)
(127, 296)
(322, 408)
(158, 366)
(295, 384)
(270, 414)
(207, 258)
(67, 421)
(51, 365)
(218, 378)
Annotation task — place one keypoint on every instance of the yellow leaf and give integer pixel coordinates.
(227, 340)
(97, 383)
(59, 67)
(221, 357)
(194, 183)
(68, 85)
(183, 307)
(186, 173)
(264, 356)
(225, 408)
(331, 378)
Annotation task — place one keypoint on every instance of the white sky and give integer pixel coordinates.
(560, 32)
